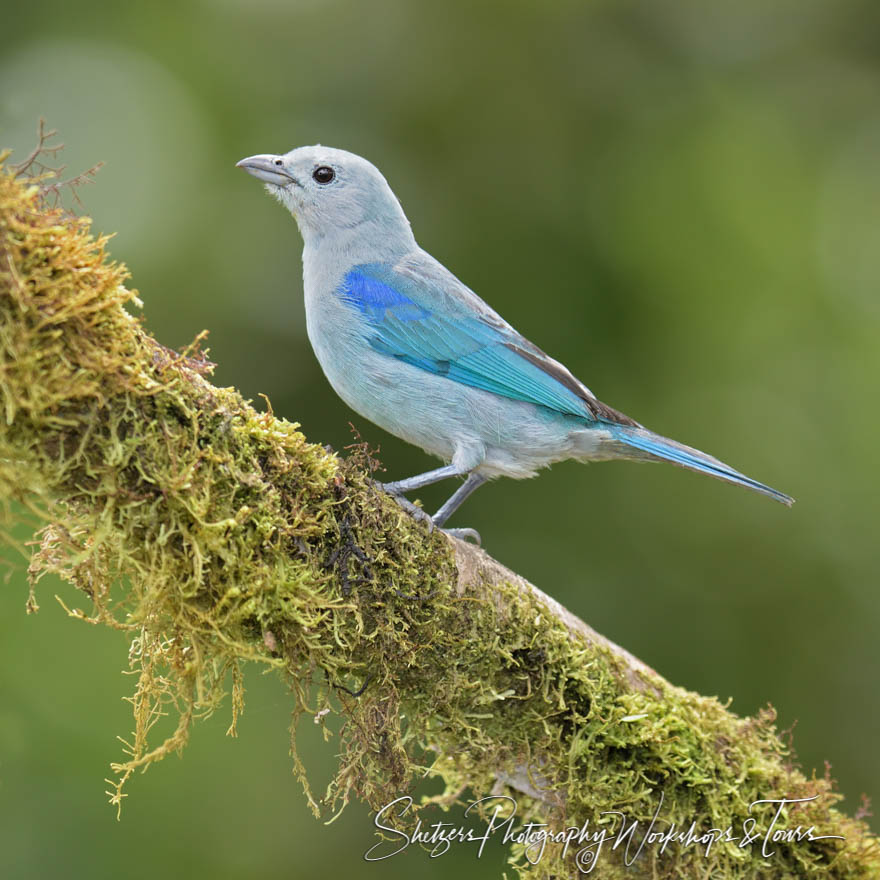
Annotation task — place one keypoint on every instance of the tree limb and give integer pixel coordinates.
(214, 534)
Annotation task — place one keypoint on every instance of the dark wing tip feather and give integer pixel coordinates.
(600, 411)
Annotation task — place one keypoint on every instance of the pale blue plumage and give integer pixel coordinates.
(409, 346)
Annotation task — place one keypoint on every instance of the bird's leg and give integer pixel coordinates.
(452, 504)
(467, 458)
(419, 481)
(397, 489)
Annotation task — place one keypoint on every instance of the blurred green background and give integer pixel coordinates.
(679, 200)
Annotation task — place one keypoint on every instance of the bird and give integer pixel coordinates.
(410, 347)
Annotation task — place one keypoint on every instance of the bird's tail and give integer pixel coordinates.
(657, 447)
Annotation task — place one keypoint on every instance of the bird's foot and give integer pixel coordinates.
(464, 535)
(396, 488)
(417, 513)
(413, 510)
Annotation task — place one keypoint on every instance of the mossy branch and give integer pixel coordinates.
(214, 534)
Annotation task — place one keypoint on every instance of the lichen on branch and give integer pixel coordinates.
(213, 534)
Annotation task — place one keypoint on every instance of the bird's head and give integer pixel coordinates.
(329, 191)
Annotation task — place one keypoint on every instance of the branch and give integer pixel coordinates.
(214, 534)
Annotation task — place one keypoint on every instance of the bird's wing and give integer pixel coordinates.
(419, 313)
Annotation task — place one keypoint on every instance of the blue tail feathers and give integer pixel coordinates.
(685, 456)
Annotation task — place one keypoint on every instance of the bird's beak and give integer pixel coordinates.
(265, 167)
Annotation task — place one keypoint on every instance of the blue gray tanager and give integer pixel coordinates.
(409, 347)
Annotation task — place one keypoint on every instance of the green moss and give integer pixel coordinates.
(214, 535)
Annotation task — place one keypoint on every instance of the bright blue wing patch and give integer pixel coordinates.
(374, 299)
(460, 346)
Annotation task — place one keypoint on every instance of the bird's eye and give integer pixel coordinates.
(323, 174)
(279, 161)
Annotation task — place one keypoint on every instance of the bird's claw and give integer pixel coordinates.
(465, 534)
